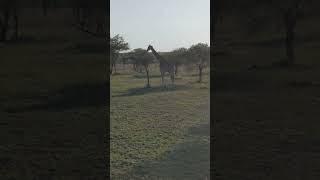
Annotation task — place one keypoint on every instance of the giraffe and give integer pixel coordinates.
(165, 66)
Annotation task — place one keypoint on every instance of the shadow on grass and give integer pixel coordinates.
(237, 82)
(22, 40)
(278, 42)
(143, 76)
(197, 74)
(84, 48)
(76, 96)
(280, 65)
(188, 160)
(155, 89)
(202, 130)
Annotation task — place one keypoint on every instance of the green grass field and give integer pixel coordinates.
(156, 133)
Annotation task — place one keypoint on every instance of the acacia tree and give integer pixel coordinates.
(272, 12)
(178, 57)
(289, 12)
(117, 44)
(199, 55)
(144, 58)
(136, 65)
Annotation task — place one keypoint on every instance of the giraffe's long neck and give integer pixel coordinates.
(157, 55)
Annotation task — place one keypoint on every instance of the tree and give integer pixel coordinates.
(117, 44)
(264, 13)
(144, 58)
(178, 57)
(199, 55)
(136, 64)
(290, 11)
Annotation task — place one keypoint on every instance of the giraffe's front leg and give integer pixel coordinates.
(162, 80)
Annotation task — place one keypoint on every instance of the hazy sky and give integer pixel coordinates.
(165, 24)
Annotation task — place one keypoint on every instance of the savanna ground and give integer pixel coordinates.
(52, 102)
(266, 120)
(156, 133)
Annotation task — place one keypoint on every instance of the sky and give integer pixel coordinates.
(165, 24)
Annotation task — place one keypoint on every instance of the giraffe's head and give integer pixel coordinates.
(149, 48)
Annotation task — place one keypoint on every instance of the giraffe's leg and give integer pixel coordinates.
(162, 80)
(172, 78)
(166, 82)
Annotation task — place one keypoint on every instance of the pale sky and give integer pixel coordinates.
(165, 24)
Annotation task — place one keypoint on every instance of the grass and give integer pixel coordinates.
(266, 124)
(156, 133)
(51, 106)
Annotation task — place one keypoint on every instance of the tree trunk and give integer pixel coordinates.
(5, 25)
(200, 73)
(45, 7)
(113, 59)
(16, 35)
(289, 41)
(111, 68)
(115, 67)
(176, 69)
(147, 71)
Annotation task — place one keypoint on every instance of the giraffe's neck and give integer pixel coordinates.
(157, 55)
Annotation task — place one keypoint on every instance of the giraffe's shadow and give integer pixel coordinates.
(143, 76)
(153, 89)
